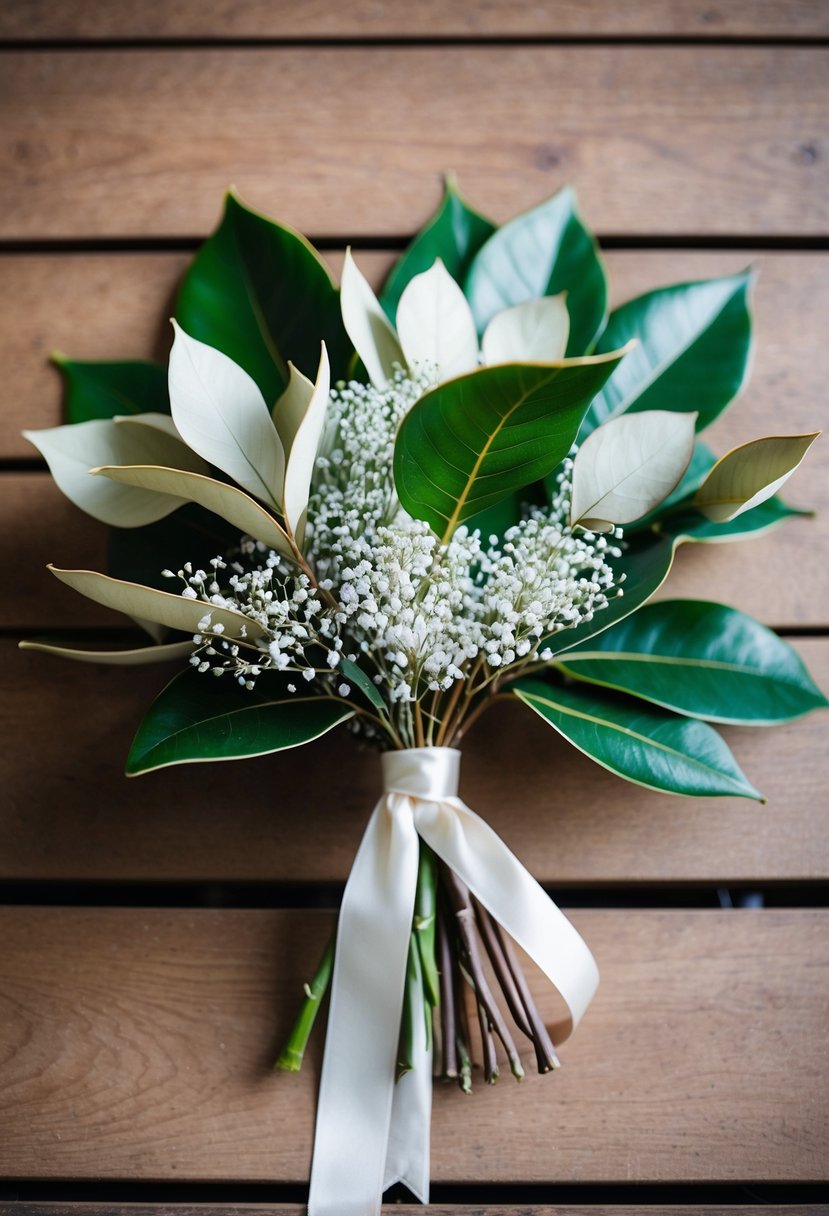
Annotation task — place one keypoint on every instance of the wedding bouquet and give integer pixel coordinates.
(390, 513)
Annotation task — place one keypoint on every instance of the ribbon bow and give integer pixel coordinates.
(370, 1131)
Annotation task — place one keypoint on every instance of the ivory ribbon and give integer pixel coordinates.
(370, 1131)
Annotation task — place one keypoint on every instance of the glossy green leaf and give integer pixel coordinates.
(628, 466)
(72, 450)
(102, 390)
(138, 555)
(435, 325)
(162, 607)
(750, 474)
(258, 292)
(692, 526)
(221, 414)
(703, 660)
(647, 746)
(232, 504)
(354, 675)
(472, 441)
(543, 252)
(124, 656)
(454, 234)
(534, 332)
(198, 717)
(692, 353)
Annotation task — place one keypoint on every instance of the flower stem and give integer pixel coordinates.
(448, 1012)
(291, 1056)
(413, 1006)
(425, 916)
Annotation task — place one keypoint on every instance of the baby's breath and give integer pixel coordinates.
(426, 622)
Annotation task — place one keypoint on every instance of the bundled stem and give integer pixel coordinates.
(291, 1056)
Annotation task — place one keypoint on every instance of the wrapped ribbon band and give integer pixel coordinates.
(370, 1132)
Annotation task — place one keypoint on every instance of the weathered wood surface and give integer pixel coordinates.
(41, 20)
(125, 298)
(116, 306)
(29, 1208)
(668, 140)
(137, 1044)
(69, 813)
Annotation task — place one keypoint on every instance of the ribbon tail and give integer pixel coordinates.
(509, 892)
(407, 1159)
(354, 1109)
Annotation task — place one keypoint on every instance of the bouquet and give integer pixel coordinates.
(389, 513)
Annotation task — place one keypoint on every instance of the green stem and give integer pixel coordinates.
(291, 1056)
(425, 919)
(412, 1005)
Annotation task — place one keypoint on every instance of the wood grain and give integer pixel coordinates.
(69, 813)
(42, 20)
(354, 140)
(136, 1044)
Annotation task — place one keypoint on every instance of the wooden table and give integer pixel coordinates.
(154, 934)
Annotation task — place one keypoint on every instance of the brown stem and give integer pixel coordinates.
(465, 920)
(500, 966)
(487, 1045)
(448, 1017)
(545, 1052)
(462, 1039)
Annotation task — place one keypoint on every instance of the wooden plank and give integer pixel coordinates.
(124, 296)
(353, 140)
(94, 20)
(29, 1208)
(98, 306)
(137, 1044)
(70, 814)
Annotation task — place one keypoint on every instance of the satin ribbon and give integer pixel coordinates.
(371, 1132)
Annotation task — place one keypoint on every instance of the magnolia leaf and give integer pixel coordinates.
(70, 451)
(435, 325)
(139, 555)
(102, 390)
(134, 656)
(454, 234)
(533, 332)
(232, 504)
(174, 611)
(544, 252)
(260, 293)
(472, 441)
(161, 422)
(221, 414)
(647, 746)
(694, 344)
(691, 525)
(197, 718)
(291, 407)
(366, 325)
(302, 454)
(628, 466)
(703, 660)
(701, 463)
(748, 475)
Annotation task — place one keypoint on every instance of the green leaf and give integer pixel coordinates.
(258, 292)
(750, 474)
(138, 555)
(628, 466)
(544, 252)
(702, 461)
(102, 390)
(690, 525)
(198, 717)
(703, 660)
(355, 675)
(646, 746)
(454, 234)
(692, 354)
(72, 451)
(472, 441)
(124, 656)
(162, 607)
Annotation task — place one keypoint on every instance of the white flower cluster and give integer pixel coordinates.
(415, 615)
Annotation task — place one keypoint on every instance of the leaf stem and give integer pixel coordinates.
(291, 1056)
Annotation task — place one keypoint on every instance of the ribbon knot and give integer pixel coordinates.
(370, 1131)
